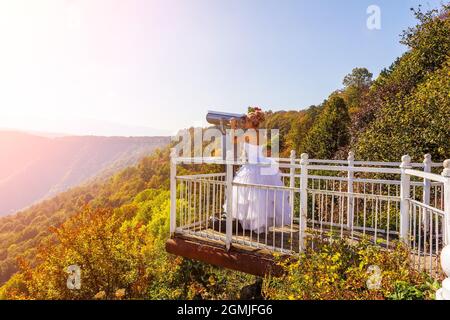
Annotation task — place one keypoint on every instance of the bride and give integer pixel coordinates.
(258, 208)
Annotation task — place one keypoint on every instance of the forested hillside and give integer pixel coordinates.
(115, 230)
(21, 233)
(33, 168)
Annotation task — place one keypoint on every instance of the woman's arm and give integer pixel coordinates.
(234, 126)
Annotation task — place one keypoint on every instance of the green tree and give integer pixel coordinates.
(330, 132)
(283, 121)
(300, 128)
(359, 77)
(357, 84)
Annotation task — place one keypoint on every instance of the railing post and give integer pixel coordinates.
(444, 292)
(426, 182)
(173, 191)
(303, 199)
(426, 188)
(446, 175)
(229, 203)
(350, 202)
(404, 196)
(292, 181)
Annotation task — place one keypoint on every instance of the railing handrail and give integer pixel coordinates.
(396, 182)
(265, 186)
(425, 175)
(362, 162)
(428, 207)
(354, 194)
(356, 163)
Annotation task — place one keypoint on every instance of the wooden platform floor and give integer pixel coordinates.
(207, 244)
(285, 239)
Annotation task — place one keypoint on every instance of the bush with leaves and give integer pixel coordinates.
(340, 269)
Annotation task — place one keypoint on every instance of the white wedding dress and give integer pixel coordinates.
(258, 209)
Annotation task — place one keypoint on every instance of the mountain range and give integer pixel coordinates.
(34, 167)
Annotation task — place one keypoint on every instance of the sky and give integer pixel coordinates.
(146, 67)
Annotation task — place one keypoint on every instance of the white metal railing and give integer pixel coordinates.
(426, 230)
(333, 198)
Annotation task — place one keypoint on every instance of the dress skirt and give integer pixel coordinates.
(259, 208)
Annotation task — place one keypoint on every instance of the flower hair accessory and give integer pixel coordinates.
(255, 115)
(253, 109)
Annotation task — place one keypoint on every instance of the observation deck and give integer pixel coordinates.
(331, 199)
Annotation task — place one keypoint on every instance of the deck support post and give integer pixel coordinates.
(444, 292)
(350, 199)
(229, 203)
(173, 191)
(292, 182)
(405, 185)
(303, 200)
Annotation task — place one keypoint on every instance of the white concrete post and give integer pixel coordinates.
(444, 292)
(404, 196)
(292, 181)
(173, 191)
(229, 203)
(303, 198)
(350, 201)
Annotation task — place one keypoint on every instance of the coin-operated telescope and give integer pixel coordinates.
(222, 121)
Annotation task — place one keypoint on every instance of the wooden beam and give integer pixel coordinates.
(255, 263)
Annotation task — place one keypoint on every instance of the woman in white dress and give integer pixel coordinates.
(257, 209)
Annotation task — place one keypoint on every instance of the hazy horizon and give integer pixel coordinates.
(50, 134)
(94, 128)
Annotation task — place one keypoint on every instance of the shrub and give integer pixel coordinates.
(340, 269)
